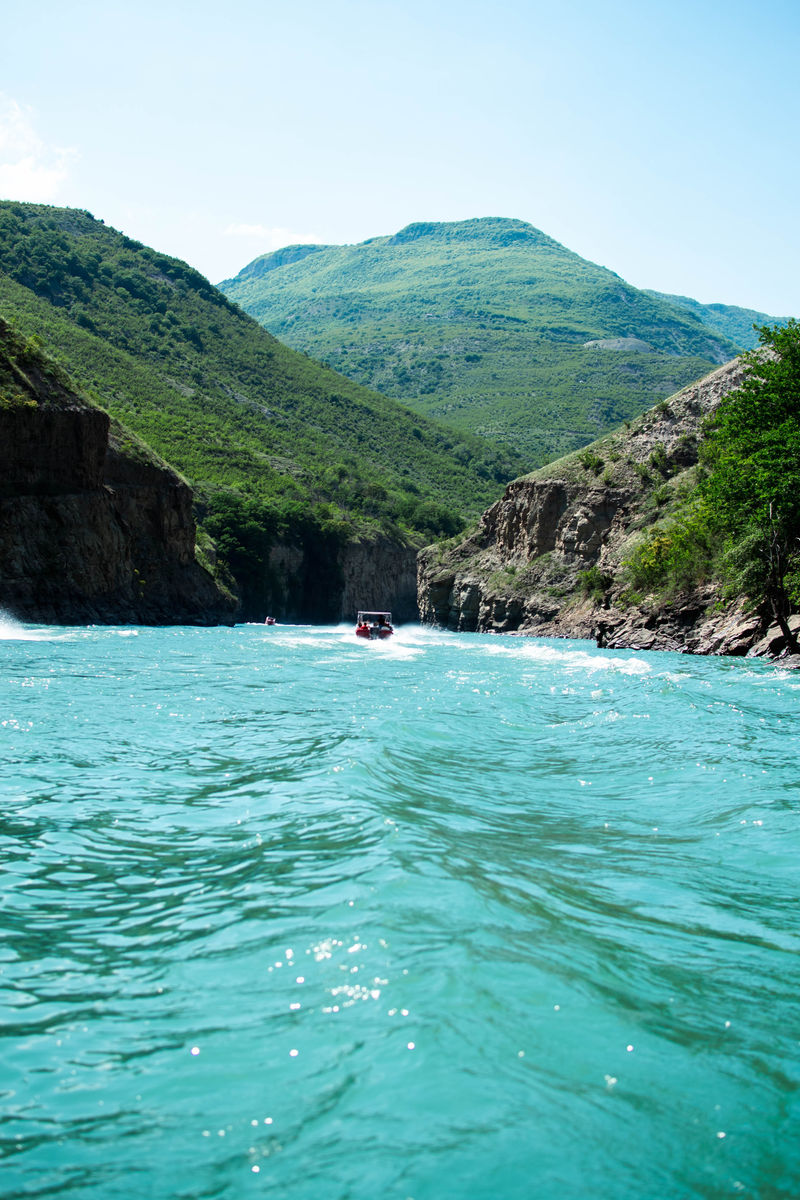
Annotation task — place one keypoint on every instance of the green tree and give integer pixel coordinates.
(752, 453)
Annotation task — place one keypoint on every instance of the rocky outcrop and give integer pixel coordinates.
(546, 558)
(93, 528)
(524, 561)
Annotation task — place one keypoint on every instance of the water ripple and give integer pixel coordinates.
(451, 916)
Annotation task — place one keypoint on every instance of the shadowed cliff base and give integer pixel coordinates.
(325, 581)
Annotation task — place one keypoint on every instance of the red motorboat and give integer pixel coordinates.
(374, 625)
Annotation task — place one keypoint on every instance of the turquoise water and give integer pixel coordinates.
(289, 915)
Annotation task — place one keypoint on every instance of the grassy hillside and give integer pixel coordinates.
(270, 439)
(488, 324)
(725, 319)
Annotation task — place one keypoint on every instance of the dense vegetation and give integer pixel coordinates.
(741, 521)
(489, 324)
(275, 444)
(22, 368)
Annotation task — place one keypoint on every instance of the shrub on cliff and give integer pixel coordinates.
(742, 523)
(675, 554)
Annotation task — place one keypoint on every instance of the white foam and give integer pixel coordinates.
(12, 630)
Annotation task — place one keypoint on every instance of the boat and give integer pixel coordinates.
(270, 621)
(374, 625)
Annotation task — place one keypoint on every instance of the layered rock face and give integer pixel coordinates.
(546, 558)
(524, 559)
(88, 533)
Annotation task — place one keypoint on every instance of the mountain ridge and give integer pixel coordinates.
(487, 323)
(729, 320)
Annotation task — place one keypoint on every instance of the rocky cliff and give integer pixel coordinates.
(93, 528)
(546, 559)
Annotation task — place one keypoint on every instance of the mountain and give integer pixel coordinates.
(279, 449)
(727, 320)
(489, 324)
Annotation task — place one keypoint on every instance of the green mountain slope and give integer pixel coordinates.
(271, 439)
(489, 324)
(727, 320)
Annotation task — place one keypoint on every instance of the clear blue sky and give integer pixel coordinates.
(658, 139)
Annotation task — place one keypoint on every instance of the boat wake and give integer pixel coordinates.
(570, 658)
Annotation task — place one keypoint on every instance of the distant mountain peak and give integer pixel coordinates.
(500, 231)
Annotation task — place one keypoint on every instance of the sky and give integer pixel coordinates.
(657, 139)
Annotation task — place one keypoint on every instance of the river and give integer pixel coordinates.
(285, 914)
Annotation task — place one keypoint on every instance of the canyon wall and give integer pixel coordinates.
(379, 574)
(92, 529)
(546, 559)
